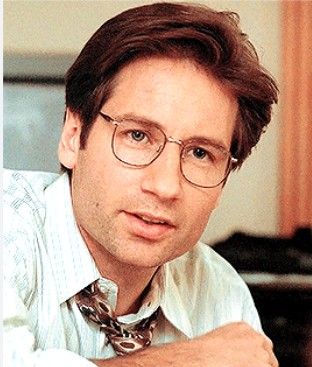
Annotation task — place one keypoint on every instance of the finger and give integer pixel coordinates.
(274, 361)
(267, 343)
(272, 358)
(268, 346)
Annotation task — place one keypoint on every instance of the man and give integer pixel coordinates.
(104, 261)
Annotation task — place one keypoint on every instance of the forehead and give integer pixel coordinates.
(183, 98)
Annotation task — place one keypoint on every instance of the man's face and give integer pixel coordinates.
(118, 208)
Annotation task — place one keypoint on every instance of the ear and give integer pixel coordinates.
(69, 143)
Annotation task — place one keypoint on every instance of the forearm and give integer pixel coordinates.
(233, 345)
(164, 355)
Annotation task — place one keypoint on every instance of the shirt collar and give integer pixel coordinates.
(173, 305)
(72, 263)
(74, 267)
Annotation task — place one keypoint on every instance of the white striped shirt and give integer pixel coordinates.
(46, 262)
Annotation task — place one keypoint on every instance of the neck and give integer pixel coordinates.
(132, 281)
(132, 286)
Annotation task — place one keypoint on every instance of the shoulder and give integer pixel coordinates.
(32, 183)
(205, 264)
(23, 221)
(24, 204)
(23, 192)
(210, 289)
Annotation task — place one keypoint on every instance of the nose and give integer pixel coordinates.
(163, 177)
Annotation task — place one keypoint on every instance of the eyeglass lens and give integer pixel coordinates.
(139, 144)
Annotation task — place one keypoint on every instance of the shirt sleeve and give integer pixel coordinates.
(18, 347)
(250, 313)
(18, 282)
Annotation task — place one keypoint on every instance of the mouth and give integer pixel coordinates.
(148, 226)
(151, 219)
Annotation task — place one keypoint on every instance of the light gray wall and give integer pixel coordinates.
(32, 124)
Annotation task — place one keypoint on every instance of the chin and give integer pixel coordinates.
(142, 257)
(147, 261)
(141, 253)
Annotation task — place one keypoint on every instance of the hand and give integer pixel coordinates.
(236, 345)
(232, 345)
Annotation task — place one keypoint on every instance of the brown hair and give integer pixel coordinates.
(211, 39)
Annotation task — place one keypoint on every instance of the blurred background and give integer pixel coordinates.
(263, 224)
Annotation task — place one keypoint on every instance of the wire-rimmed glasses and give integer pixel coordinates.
(139, 143)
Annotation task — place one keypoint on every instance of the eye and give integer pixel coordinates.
(199, 153)
(137, 135)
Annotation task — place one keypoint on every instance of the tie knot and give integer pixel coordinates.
(93, 304)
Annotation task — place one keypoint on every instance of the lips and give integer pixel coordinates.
(148, 226)
(151, 219)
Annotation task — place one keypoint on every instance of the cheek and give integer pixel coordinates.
(116, 187)
(201, 206)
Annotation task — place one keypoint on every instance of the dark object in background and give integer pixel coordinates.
(286, 317)
(285, 307)
(269, 254)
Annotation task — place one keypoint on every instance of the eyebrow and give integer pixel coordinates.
(198, 138)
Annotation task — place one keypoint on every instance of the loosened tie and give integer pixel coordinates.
(93, 304)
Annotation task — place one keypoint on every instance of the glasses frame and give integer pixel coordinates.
(231, 160)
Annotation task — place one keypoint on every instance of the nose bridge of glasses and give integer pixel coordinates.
(170, 139)
(162, 147)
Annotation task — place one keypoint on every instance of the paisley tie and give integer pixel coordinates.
(93, 304)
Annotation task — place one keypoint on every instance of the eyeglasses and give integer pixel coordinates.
(140, 143)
